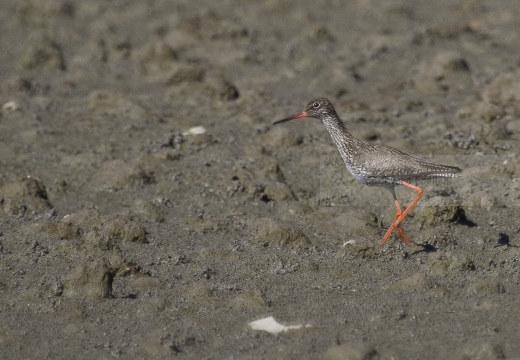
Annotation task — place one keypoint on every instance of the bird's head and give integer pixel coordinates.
(318, 109)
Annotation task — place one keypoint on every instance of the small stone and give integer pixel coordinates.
(116, 175)
(185, 73)
(28, 195)
(319, 34)
(415, 282)
(448, 61)
(445, 68)
(250, 300)
(27, 186)
(104, 103)
(272, 233)
(483, 351)
(488, 112)
(486, 202)
(503, 90)
(200, 225)
(461, 139)
(486, 287)
(209, 25)
(90, 280)
(362, 249)
(439, 210)
(444, 264)
(513, 127)
(149, 211)
(439, 265)
(146, 283)
(42, 52)
(158, 344)
(280, 136)
(157, 57)
(278, 191)
(97, 231)
(489, 304)
(121, 229)
(351, 352)
(222, 88)
(253, 180)
(479, 199)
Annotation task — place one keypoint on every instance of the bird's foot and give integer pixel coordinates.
(402, 236)
(396, 226)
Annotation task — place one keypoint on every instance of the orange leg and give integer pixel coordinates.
(404, 238)
(400, 215)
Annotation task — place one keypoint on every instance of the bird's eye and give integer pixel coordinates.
(316, 105)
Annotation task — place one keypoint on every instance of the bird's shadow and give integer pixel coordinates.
(424, 248)
(503, 240)
(465, 221)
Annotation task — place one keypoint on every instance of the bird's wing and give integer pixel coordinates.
(386, 161)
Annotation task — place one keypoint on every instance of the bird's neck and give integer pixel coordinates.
(337, 130)
(344, 141)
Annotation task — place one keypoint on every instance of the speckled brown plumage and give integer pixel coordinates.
(376, 165)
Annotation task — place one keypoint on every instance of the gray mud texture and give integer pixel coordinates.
(149, 209)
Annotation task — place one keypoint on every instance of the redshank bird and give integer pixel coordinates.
(376, 165)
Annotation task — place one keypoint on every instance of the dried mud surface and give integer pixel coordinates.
(125, 233)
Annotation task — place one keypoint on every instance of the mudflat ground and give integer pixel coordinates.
(149, 209)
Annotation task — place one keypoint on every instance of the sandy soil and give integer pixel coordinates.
(124, 234)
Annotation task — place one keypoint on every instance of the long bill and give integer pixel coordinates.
(292, 117)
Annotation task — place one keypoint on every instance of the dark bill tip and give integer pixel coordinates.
(292, 117)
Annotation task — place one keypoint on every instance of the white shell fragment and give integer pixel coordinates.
(349, 242)
(11, 106)
(270, 325)
(197, 130)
